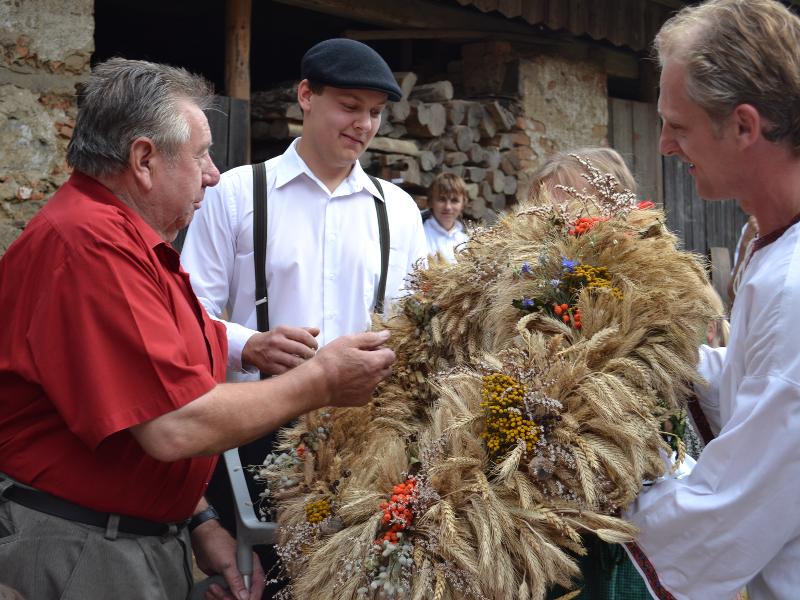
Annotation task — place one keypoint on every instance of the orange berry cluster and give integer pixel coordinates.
(568, 315)
(398, 513)
(584, 224)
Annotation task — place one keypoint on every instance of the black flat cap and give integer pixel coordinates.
(349, 64)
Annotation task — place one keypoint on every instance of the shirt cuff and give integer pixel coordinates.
(237, 338)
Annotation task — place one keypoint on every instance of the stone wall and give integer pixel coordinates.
(564, 101)
(45, 48)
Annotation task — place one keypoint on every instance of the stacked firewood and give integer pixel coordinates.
(425, 133)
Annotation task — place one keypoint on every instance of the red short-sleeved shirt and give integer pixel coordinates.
(100, 331)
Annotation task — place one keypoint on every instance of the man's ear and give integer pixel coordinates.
(304, 94)
(140, 161)
(748, 122)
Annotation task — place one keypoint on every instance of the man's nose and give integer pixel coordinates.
(364, 121)
(666, 142)
(211, 174)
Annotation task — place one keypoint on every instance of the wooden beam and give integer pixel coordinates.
(413, 14)
(237, 48)
(453, 35)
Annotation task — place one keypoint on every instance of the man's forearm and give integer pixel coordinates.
(231, 415)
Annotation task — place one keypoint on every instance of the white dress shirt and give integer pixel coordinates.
(735, 520)
(323, 251)
(443, 241)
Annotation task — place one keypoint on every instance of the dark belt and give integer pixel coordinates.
(51, 505)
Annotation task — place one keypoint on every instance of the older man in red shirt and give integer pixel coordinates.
(112, 409)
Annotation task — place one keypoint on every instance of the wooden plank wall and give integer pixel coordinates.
(229, 121)
(701, 224)
(633, 132)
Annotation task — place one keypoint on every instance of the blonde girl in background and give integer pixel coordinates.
(444, 229)
(563, 169)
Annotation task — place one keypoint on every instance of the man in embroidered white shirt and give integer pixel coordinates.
(323, 257)
(730, 104)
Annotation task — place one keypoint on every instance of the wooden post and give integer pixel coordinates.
(237, 53)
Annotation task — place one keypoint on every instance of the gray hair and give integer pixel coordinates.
(739, 52)
(127, 99)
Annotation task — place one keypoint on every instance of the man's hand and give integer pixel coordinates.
(215, 553)
(280, 349)
(353, 365)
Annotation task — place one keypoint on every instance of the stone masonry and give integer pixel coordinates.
(45, 48)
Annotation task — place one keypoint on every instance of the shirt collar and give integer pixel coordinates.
(291, 165)
(457, 228)
(97, 192)
(766, 240)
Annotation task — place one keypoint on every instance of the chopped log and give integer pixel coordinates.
(496, 179)
(439, 91)
(520, 139)
(503, 141)
(499, 202)
(492, 156)
(398, 131)
(269, 111)
(472, 190)
(503, 118)
(475, 114)
(437, 147)
(451, 159)
(385, 144)
(474, 174)
(284, 130)
(476, 207)
(399, 111)
(456, 170)
(463, 137)
(510, 186)
(367, 160)
(386, 127)
(488, 194)
(406, 80)
(286, 92)
(449, 143)
(507, 165)
(487, 126)
(426, 180)
(426, 120)
(275, 130)
(434, 146)
(456, 112)
(400, 166)
(488, 158)
(476, 155)
(427, 160)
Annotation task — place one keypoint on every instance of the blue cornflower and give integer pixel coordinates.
(526, 268)
(568, 265)
(527, 303)
(555, 282)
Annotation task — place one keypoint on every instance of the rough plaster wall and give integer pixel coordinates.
(45, 48)
(565, 105)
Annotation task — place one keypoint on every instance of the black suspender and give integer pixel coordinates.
(383, 233)
(260, 244)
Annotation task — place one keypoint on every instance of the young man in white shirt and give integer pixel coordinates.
(323, 255)
(443, 227)
(730, 104)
